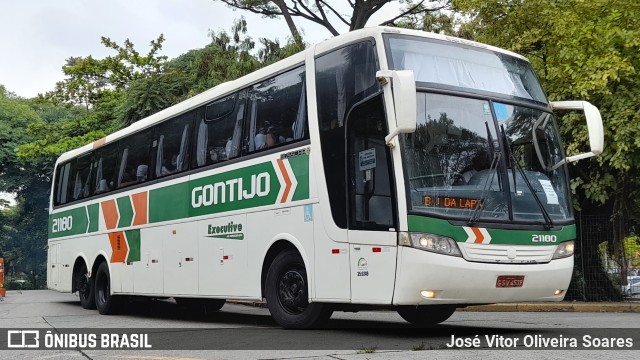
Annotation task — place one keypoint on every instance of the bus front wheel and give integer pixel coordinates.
(85, 287)
(106, 303)
(286, 291)
(426, 315)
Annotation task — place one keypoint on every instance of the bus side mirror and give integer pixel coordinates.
(594, 125)
(403, 86)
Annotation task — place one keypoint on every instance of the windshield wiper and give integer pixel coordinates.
(495, 156)
(545, 214)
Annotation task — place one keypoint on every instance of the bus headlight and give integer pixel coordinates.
(430, 242)
(564, 250)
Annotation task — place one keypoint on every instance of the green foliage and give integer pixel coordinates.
(148, 95)
(87, 79)
(23, 227)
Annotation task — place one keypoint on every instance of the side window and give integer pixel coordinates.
(219, 130)
(134, 159)
(62, 184)
(343, 78)
(81, 177)
(104, 169)
(171, 143)
(277, 112)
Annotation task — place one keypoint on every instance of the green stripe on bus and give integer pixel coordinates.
(169, 203)
(68, 223)
(94, 213)
(300, 166)
(498, 236)
(133, 240)
(125, 210)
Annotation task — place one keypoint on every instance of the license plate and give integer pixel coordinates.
(510, 281)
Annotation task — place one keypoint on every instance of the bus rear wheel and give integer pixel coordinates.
(286, 291)
(85, 287)
(106, 303)
(426, 315)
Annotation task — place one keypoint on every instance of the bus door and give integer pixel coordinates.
(372, 206)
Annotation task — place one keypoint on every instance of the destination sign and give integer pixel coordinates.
(451, 202)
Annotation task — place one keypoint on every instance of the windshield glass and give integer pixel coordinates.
(464, 66)
(463, 163)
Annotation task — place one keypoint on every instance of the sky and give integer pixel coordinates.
(36, 36)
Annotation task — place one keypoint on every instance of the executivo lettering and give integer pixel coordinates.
(228, 231)
(231, 190)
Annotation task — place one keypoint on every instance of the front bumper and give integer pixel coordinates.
(457, 281)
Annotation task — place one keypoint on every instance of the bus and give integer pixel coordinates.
(384, 168)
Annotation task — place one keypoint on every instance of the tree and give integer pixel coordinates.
(23, 232)
(88, 79)
(328, 16)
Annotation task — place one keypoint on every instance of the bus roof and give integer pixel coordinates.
(263, 73)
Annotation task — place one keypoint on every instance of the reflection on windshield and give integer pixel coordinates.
(456, 167)
(463, 66)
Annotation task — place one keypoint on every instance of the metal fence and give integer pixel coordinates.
(605, 269)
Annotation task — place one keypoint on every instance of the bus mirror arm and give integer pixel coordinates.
(594, 126)
(403, 89)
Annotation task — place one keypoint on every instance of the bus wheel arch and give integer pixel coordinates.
(82, 282)
(275, 249)
(286, 287)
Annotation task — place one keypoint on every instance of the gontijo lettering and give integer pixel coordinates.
(230, 191)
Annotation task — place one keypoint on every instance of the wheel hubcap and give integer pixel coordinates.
(292, 292)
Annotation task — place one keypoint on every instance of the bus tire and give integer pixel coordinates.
(106, 303)
(426, 315)
(286, 291)
(85, 287)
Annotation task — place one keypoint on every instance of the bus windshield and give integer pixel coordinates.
(480, 160)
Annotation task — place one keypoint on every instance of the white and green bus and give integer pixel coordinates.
(383, 167)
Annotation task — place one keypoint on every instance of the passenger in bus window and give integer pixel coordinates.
(171, 167)
(141, 172)
(265, 137)
(129, 177)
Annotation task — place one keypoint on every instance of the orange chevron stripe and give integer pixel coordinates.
(110, 213)
(479, 236)
(139, 201)
(287, 180)
(119, 247)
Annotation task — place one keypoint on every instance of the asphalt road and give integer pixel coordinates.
(239, 331)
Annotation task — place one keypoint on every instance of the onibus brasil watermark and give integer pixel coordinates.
(40, 339)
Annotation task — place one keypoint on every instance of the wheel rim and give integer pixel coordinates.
(292, 292)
